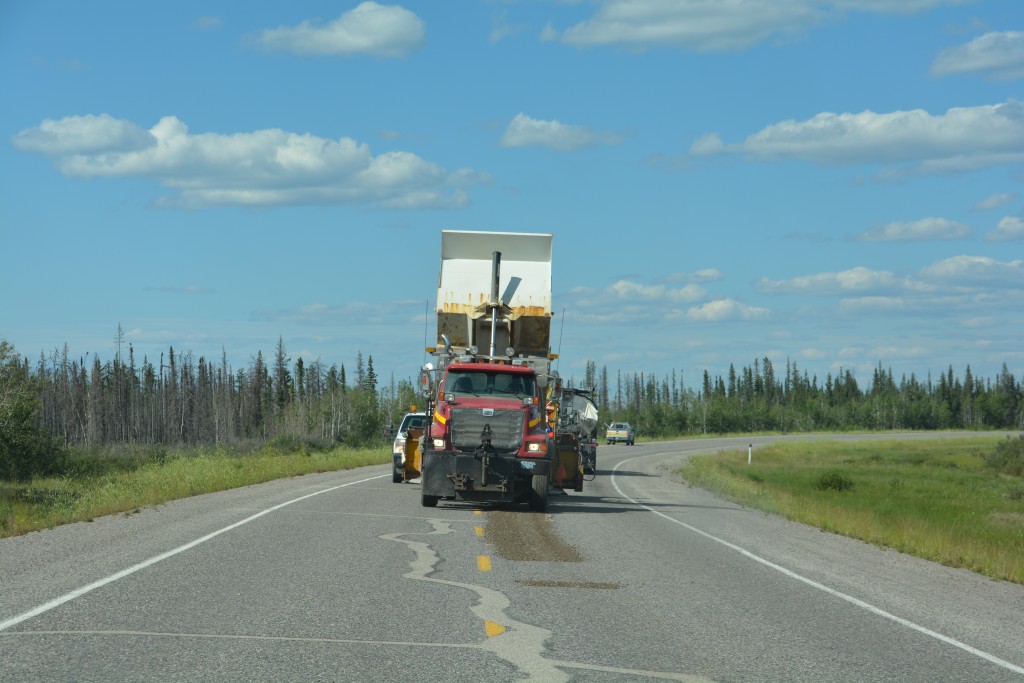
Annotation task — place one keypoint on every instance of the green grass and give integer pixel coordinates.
(126, 481)
(936, 499)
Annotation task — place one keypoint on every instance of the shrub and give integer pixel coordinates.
(1008, 457)
(834, 481)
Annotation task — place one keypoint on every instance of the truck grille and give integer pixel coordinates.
(506, 429)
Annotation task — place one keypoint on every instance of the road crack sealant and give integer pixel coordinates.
(519, 643)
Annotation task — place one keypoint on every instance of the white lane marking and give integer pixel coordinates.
(68, 597)
(814, 584)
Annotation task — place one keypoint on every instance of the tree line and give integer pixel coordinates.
(179, 399)
(756, 398)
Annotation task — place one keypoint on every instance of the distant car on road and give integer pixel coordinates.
(620, 432)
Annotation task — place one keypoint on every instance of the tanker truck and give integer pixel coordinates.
(572, 416)
(489, 438)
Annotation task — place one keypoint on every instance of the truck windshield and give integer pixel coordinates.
(481, 382)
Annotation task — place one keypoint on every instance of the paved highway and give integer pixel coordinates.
(345, 577)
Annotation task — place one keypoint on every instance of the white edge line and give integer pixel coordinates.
(810, 582)
(57, 602)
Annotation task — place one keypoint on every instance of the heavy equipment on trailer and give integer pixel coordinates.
(494, 400)
(577, 425)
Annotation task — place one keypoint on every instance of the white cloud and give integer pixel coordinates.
(994, 201)
(996, 55)
(370, 28)
(624, 289)
(1010, 228)
(259, 168)
(917, 231)
(967, 270)
(701, 25)
(524, 131)
(726, 309)
(857, 279)
(812, 353)
(963, 138)
(87, 134)
(713, 25)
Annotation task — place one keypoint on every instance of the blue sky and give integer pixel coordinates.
(837, 183)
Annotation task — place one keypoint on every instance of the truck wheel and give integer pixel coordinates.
(429, 501)
(396, 477)
(538, 500)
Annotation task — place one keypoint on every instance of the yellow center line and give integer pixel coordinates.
(479, 531)
(483, 563)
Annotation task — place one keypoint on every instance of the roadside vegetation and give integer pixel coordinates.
(83, 437)
(955, 501)
(124, 480)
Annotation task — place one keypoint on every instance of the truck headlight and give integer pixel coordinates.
(439, 444)
(536, 447)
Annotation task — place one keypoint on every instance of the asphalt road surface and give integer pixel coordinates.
(345, 577)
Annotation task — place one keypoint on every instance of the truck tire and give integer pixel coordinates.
(429, 501)
(538, 498)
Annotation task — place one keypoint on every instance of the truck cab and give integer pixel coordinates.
(488, 436)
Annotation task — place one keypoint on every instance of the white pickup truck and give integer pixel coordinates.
(620, 432)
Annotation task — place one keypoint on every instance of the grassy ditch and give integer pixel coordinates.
(955, 501)
(125, 481)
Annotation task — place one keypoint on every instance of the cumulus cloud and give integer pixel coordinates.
(994, 201)
(998, 55)
(370, 28)
(963, 138)
(976, 270)
(713, 25)
(1010, 228)
(921, 230)
(857, 279)
(524, 131)
(259, 168)
(89, 134)
(624, 289)
(725, 309)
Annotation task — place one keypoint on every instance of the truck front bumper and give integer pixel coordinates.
(472, 476)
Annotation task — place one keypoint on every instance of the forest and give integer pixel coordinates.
(59, 402)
